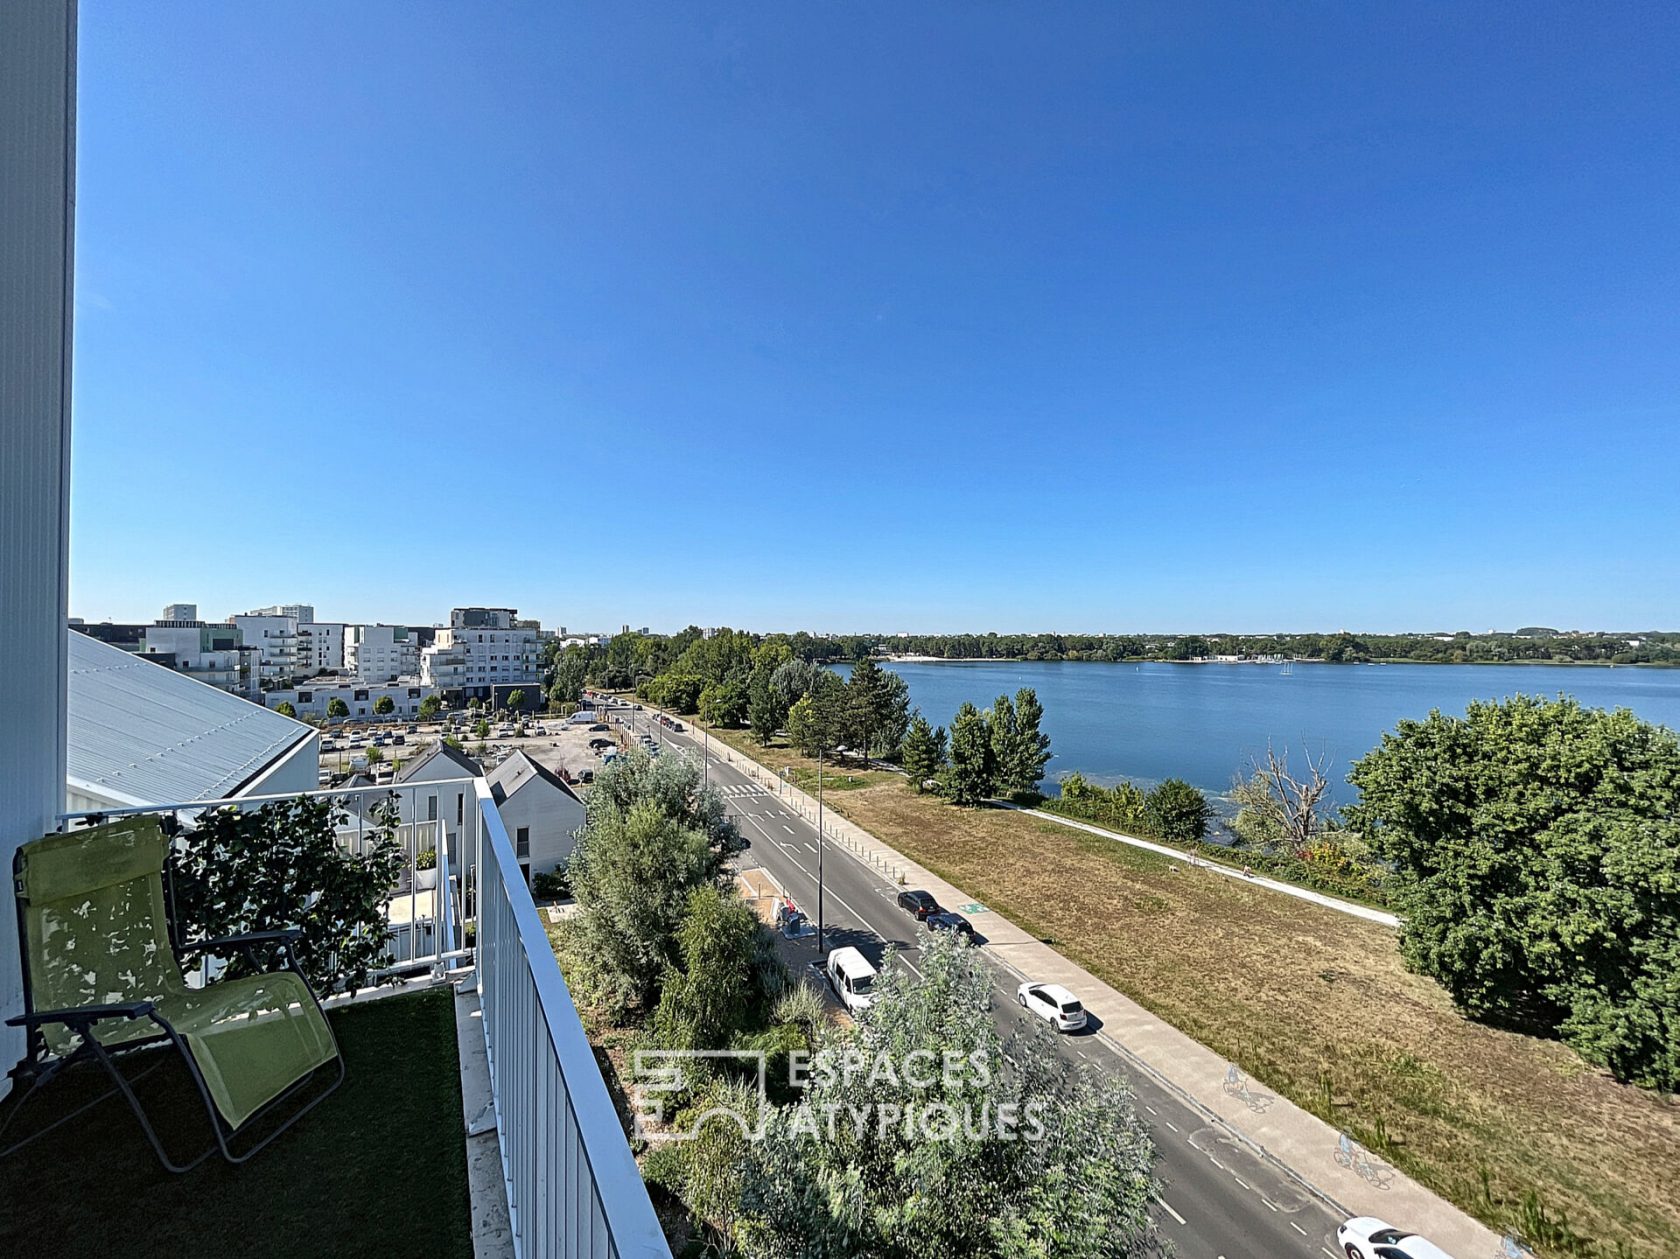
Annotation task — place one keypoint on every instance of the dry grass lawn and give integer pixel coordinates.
(1318, 1006)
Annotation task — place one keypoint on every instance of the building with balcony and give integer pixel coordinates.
(276, 641)
(321, 647)
(179, 612)
(494, 648)
(380, 653)
(472, 1119)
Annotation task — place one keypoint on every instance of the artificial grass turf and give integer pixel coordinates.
(378, 1168)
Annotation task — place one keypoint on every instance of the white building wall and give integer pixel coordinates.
(380, 653)
(37, 222)
(551, 819)
(276, 640)
(299, 770)
(321, 646)
(359, 697)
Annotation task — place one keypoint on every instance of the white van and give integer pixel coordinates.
(853, 978)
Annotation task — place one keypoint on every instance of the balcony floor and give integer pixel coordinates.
(379, 1168)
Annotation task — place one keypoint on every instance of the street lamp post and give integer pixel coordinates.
(819, 851)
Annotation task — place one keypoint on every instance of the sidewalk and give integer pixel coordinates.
(1300, 1143)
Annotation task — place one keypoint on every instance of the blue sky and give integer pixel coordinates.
(1008, 316)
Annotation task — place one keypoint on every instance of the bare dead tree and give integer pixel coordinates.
(1296, 804)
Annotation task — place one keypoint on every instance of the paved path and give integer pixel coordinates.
(1249, 1174)
(1201, 863)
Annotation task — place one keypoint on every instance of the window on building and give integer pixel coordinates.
(431, 808)
(460, 808)
(522, 842)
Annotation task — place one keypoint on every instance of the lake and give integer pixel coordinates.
(1204, 723)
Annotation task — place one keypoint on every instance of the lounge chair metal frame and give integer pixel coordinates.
(39, 1066)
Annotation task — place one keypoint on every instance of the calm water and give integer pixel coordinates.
(1204, 722)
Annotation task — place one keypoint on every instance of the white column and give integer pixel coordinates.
(37, 229)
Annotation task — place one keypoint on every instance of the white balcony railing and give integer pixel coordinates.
(573, 1187)
(424, 920)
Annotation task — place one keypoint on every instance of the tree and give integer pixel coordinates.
(285, 709)
(384, 706)
(892, 714)
(765, 714)
(430, 707)
(1275, 809)
(865, 692)
(567, 677)
(281, 865)
(1002, 731)
(724, 703)
(720, 985)
(1176, 811)
(999, 1150)
(1029, 750)
(924, 752)
(337, 708)
(970, 776)
(481, 729)
(516, 699)
(794, 679)
(375, 755)
(802, 726)
(651, 836)
(1536, 849)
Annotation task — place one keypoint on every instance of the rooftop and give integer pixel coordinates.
(141, 732)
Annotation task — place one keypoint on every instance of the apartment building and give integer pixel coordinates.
(380, 653)
(179, 612)
(212, 654)
(302, 613)
(321, 647)
(276, 639)
(485, 648)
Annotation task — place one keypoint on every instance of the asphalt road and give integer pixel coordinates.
(1219, 1199)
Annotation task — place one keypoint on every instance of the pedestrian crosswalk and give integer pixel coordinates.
(738, 790)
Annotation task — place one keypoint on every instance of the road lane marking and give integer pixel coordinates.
(1170, 1124)
(787, 828)
(1168, 1208)
(1268, 1202)
(1297, 1228)
(1241, 1181)
(1216, 1162)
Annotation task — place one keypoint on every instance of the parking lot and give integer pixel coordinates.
(553, 742)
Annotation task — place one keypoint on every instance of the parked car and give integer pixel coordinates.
(919, 903)
(399, 738)
(945, 920)
(1053, 1003)
(1364, 1237)
(411, 730)
(852, 978)
(599, 725)
(677, 726)
(588, 776)
(329, 745)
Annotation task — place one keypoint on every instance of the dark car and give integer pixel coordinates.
(600, 743)
(597, 726)
(945, 920)
(919, 903)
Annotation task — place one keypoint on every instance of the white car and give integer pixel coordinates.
(1052, 1002)
(1367, 1238)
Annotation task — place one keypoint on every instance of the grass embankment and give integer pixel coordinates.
(1317, 1005)
(802, 770)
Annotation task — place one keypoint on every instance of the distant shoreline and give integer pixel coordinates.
(1278, 664)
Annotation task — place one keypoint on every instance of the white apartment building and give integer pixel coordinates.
(321, 647)
(303, 613)
(276, 641)
(495, 648)
(212, 654)
(179, 612)
(380, 653)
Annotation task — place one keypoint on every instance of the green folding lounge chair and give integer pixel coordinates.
(101, 983)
